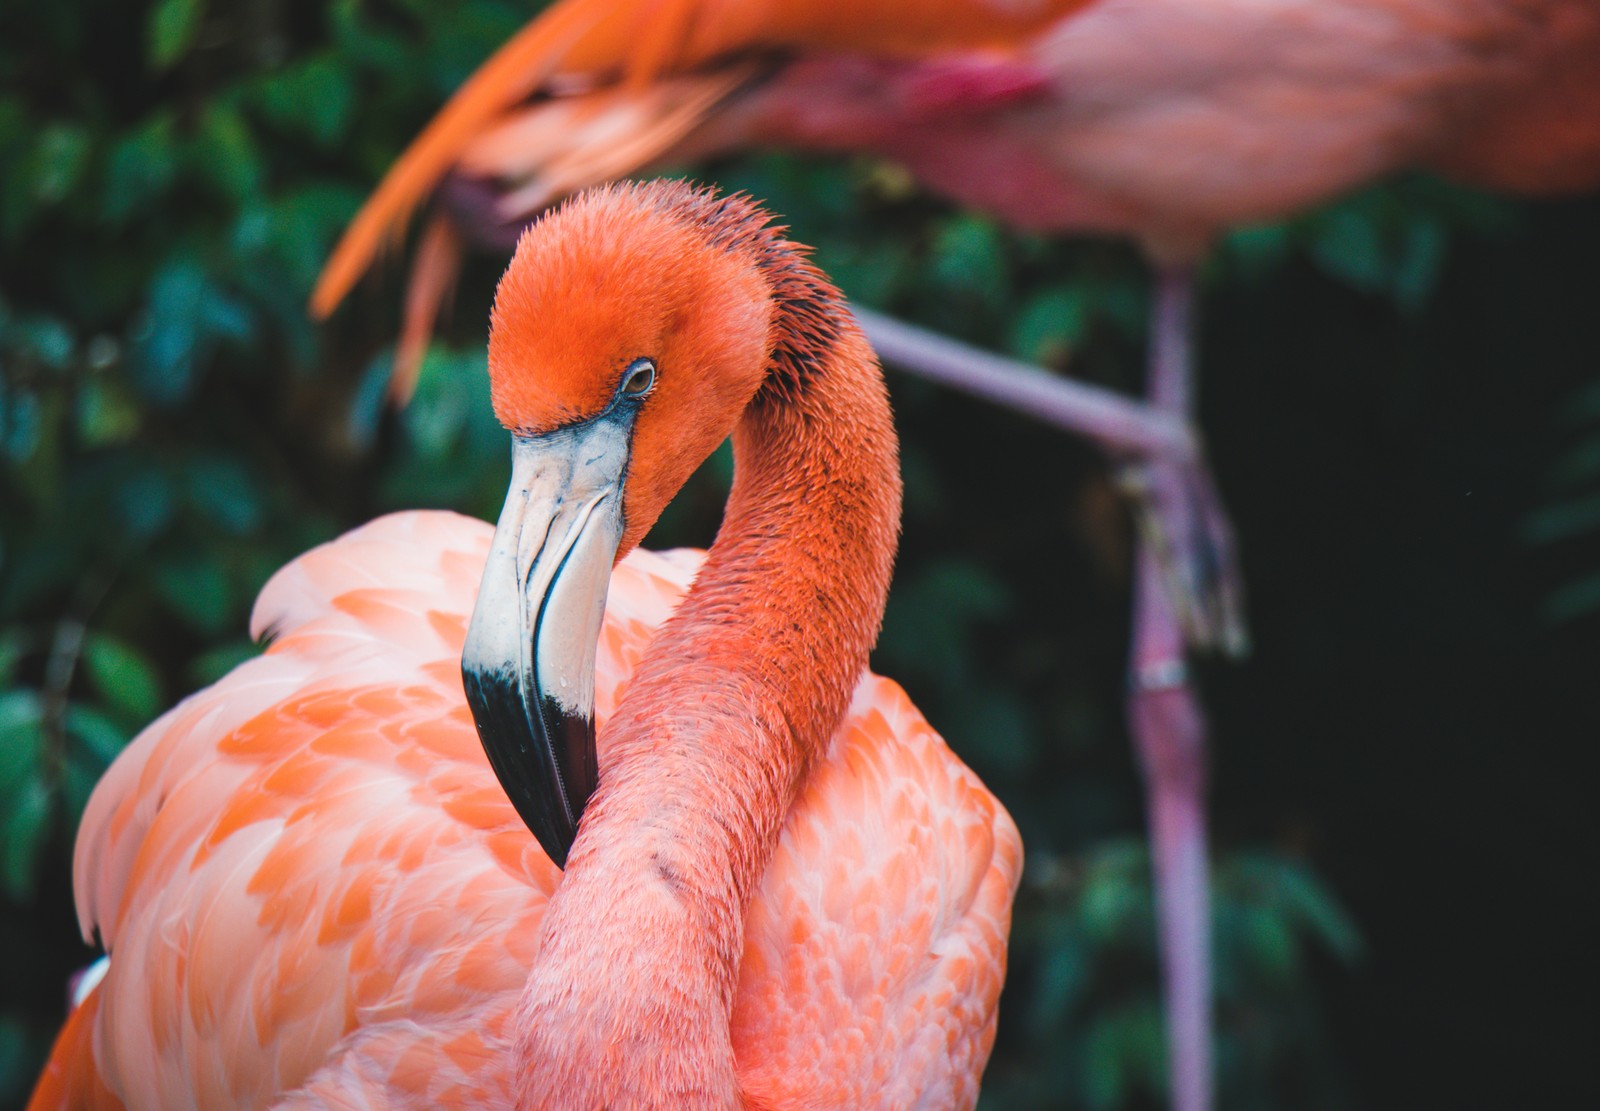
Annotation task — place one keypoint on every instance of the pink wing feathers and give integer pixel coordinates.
(313, 886)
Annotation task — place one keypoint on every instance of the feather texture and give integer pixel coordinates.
(1166, 119)
(316, 894)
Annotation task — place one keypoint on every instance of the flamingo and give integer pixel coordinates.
(1167, 120)
(784, 889)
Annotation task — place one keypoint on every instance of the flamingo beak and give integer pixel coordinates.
(528, 662)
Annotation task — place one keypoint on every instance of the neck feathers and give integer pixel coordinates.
(745, 684)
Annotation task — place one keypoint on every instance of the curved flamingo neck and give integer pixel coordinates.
(738, 696)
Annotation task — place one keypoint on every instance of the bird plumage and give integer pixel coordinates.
(637, 41)
(310, 880)
(1166, 119)
(785, 888)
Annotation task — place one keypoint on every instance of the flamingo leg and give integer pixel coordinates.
(1186, 593)
(1168, 724)
(1180, 515)
(1122, 426)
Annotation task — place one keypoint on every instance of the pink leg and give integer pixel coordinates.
(1180, 517)
(1169, 727)
(1124, 427)
(1186, 591)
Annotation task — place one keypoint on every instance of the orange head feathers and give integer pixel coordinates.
(697, 286)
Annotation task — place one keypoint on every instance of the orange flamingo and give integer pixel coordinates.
(784, 891)
(1165, 119)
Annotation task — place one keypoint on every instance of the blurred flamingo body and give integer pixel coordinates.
(785, 890)
(1162, 119)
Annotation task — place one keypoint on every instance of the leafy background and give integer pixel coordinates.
(1402, 394)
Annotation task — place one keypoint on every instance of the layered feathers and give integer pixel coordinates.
(312, 886)
(1166, 119)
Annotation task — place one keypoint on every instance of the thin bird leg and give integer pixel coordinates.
(1186, 525)
(1177, 509)
(1124, 427)
(1186, 588)
(1168, 727)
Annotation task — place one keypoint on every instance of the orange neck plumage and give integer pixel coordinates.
(739, 694)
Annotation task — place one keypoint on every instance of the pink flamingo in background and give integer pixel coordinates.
(1167, 120)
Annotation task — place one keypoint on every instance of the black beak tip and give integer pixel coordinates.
(545, 761)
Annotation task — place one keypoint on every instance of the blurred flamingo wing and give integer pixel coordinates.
(584, 43)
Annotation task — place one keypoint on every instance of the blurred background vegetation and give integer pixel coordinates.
(1402, 394)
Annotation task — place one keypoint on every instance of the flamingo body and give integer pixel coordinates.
(317, 895)
(1165, 119)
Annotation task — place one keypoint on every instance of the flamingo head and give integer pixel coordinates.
(631, 331)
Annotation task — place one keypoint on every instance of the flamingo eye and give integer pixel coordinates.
(639, 378)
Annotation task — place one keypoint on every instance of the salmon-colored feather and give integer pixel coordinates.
(1125, 116)
(433, 276)
(311, 883)
(639, 41)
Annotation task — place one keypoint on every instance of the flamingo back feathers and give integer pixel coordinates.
(311, 883)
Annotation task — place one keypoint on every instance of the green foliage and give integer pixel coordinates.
(1389, 242)
(1567, 520)
(1093, 1014)
(172, 426)
(172, 27)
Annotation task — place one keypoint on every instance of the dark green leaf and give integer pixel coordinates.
(142, 166)
(145, 501)
(1050, 323)
(1573, 601)
(1578, 466)
(101, 738)
(20, 424)
(313, 99)
(24, 826)
(21, 742)
(1563, 520)
(1115, 898)
(227, 493)
(1270, 942)
(1062, 981)
(1258, 249)
(1315, 905)
(123, 676)
(1348, 246)
(21, 1050)
(13, 643)
(1125, 1053)
(187, 316)
(42, 338)
(223, 152)
(197, 590)
(106, 414)
(59, 160)
(171, 30)
(969, 255)
(1417, 268)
